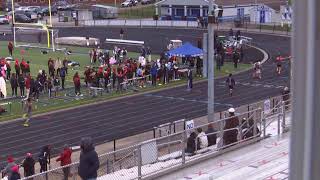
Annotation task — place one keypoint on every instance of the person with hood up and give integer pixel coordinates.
(28, 165)
(15, 173)
(202, 139)
(191, 143)
(7, 171)
(230, 136)
(65, 159)
(89, 161)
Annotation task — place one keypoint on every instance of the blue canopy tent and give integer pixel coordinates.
(186, 50)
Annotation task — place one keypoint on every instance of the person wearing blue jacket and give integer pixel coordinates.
(89, 161)
(153, 72)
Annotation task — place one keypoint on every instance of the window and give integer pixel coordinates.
(34, 1)
(26, 1)
(179, 12)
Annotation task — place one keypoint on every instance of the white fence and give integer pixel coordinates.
(139, 23)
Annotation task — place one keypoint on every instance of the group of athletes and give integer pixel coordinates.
(257, 72)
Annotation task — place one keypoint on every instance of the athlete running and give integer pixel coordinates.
(28, 112)
(257, 70)
(230, 83)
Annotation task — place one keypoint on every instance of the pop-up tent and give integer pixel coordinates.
(186, 50)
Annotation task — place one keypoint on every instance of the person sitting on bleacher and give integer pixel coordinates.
(230, 136)
(191, 143)
(212, 138)
(248, 133)
(202, 139)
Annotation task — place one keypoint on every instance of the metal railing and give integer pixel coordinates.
(155, 155)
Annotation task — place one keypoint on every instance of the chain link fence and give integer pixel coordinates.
(173, 149)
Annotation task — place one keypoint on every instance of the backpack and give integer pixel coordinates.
(56, 82)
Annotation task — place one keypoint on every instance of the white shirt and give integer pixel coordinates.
(203, 140)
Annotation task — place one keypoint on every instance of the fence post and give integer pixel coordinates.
(274, 27)
(279, 122)
(154, 132)
(139, 162)
(260, 27)
(283, 115)
(184, 140)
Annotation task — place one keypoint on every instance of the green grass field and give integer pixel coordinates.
(39, 61)
(137, 12)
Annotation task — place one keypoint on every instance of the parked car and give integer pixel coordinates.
(147, 2)
(129, 3)
(4, 19)
(22, 18)
(45, 11)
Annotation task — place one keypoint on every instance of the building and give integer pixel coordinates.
(182, 9)
(193, 9)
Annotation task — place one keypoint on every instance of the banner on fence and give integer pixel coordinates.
(149, 152)
(189, 125)
(267, 106)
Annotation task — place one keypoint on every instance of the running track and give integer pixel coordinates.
(129, 116)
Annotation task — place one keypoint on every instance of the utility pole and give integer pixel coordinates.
(210, 59)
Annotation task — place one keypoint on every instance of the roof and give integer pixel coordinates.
(184, 2)
(186, 50)
(103, 6)
(274, 4)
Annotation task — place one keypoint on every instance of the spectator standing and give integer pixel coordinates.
(191, 143)
(65, 64)
(230, 136)
(14, 85)
(28, 165)
(65, 159)
(44, 158)
(121, 33)
(63, 76)
(153, 72)
(56, 84)
(8, 169)
(22, 84)
(15, 173)
(8, 71)
(10, 48)
(189, 75)
(28, 85)
(202, 139)
(235, 58)
(212, 138)
(89, 161)
(50, 86)
(77, 84)
(17, 67)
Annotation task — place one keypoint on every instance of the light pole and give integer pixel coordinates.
(210, 62)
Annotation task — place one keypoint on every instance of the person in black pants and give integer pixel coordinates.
(44, 158)
(62, 76)
(14, 84)
(22, 84)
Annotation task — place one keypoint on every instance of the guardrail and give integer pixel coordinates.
(150, 157)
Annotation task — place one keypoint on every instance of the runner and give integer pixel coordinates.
(257, 70)
(28, 112)
(230, 83)
(279, 67)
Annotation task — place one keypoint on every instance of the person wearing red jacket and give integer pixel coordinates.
(28, 86)
(17, 67)
(77, 84)
(106, 76)
(65, 159)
